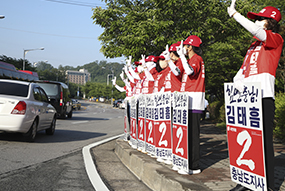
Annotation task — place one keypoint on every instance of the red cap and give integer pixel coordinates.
(268, 12)
(193, 40)
(137, 63)
(150, 59)
(173, 47)
(160, 57)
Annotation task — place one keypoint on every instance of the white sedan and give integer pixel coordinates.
(25, 108)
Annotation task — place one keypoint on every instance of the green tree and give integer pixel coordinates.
(54, 75)
(18, 63)
(43, 66)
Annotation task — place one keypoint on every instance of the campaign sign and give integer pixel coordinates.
(149, 116)
(180, 131)
(245, 135)
(162, 125)
(126, 123)
(133, 116)
(141, 123)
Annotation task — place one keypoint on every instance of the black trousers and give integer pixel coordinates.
(268, 109)
(194, 140)
(128, 115)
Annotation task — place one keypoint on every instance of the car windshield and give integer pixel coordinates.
(50, 89)
(13, 89)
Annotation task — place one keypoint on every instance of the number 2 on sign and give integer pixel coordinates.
(179, 134)
(141, 129)
(162, 129)
(241, 138)
(150, 139)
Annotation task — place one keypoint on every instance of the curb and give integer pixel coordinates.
(155, 175)
(90, 167)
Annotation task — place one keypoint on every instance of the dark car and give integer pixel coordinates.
(76, 105)
(59, 96)
(117, 103)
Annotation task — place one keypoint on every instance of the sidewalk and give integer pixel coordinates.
(214, 164)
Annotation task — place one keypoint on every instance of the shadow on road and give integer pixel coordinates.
(59, 136)
(79, 118)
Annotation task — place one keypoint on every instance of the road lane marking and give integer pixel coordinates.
(78, 122)
(90, 167)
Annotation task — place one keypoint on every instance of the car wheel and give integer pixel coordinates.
(63, 114)
(51, 130)
(31, 134)
(69, 114)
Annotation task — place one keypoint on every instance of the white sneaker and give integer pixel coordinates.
(159, 160)
(181, 171)
(168, 161)
(198, 171)
(175, 168)
(190, 172)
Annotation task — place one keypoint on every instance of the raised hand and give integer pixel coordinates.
(231, 8)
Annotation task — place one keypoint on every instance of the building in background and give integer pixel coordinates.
(78, 77)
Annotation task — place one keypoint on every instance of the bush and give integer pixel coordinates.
(214, 110)
(279, 130)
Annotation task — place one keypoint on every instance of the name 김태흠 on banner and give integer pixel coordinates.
(141, 123)
(133, 121)
(126, 123)
(149, 124)
(162, 126)
(245, 135)
(180, 131)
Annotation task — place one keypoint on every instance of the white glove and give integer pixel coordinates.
(166, 53)
(114, 81)
(239, 85)
(122, 76)
(125, 68)
(143, 61)
(129, 61)
(179, 50)
(231, 9)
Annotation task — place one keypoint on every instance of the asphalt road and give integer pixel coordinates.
(55, 162)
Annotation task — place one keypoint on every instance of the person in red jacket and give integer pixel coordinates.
(193, 83)
(159, 76)
(149, 64)
(174, 71)
(260, 65)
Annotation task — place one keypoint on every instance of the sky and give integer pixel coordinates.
(64, 28)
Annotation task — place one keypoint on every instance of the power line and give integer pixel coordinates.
(66, 36)
(85, 4)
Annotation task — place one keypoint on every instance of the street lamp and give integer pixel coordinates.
(2, 16)
(108, 82)
(112, 83)
(26, 51)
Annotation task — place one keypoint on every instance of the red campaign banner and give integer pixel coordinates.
(133, 121)
(180, 132)
(180, 141)
(163, 134)
(246, 149)
(244, 118)
(149, 127)
(141, 123)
